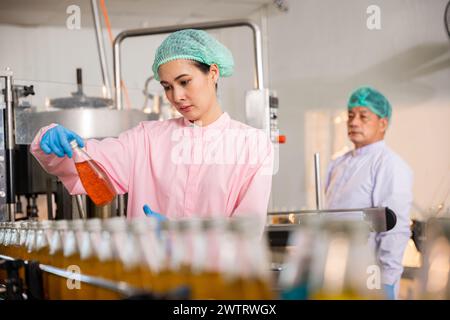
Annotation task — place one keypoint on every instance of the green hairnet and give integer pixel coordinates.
(370, 98)
(194, 45)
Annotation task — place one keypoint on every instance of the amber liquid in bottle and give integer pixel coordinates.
(95, 181)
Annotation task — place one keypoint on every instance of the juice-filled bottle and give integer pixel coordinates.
(56, 259)
(2, 251)
(194, 257)
(156, 244)
(70, 262)
(94, 179)
(340, 263)
(7, 239)
(87, 238)
(174, 275)
(2, 236)
(22, 239)
(132, 257)
(107, 261)
(43, 249)
(30, 241)
(219, 259)
(253, 262)
(15, 249)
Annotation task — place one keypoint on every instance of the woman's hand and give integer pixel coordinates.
(149, 213)
(57, 140)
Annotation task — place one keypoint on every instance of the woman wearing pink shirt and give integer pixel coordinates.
(201, 165)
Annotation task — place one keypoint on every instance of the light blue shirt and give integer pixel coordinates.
(374, 176)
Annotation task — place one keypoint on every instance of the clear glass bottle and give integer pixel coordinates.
(94, 179)
(216, 258)
(88, 255)
(342, 262)
(294, 277)
(253, 260)
(434, 280)
(43, 250)
(56, 259)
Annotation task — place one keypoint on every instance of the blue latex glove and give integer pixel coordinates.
(57, 140)
(389, 291)
(149, 213)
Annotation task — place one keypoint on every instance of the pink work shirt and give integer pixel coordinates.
(180, 169)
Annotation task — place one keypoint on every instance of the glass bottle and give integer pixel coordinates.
(56, 259)
(253, 262)
(88, 255)
(434, 280)
(70, 261)
(2, 249)
(342, 262)
(293, 279)
(215, 264)
(152, 253)
(94, 179)
(108, 265)
(43, 250)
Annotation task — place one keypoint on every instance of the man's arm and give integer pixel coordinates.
(393, 189)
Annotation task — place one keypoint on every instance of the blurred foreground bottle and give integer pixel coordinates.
(435, 277)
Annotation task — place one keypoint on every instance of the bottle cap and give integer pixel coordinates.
(73, 144)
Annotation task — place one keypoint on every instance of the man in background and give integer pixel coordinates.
(372, 175)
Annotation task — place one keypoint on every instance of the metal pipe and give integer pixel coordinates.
(259, 73)
(121, 205)
(9, 145)
(101, 50)
(324, 211)
(317, 180)
(80, 206)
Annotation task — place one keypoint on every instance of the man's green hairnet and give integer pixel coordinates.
(194, 45)
(370, 98)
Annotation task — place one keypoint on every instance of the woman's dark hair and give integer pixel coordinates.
(203, 67)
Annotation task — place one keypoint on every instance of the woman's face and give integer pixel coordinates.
(189, 90)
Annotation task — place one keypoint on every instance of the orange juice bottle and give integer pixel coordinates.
(70, 262)
(30, 241)
(194, 257)
(7, 239)
(14, 242)
(132, 257)
(43, 250)
(152, 251)
(258, 281)
(86, 257)
(2, 236)
(22, 240)
(94, 179)
(108, 262)
(174, 275)
(98, 257)
(2, 252)
(218, 259)
(56, 259)
(341, 262)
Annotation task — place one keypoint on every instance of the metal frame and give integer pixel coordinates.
(9, 144)
(257, 40)
(120, 287)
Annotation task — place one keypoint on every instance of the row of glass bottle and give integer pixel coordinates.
(330, 260)
(333, 260)
(215, 258)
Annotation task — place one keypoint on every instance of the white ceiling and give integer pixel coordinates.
(127, 13)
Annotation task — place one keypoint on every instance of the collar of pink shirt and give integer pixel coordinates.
(220, 123)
